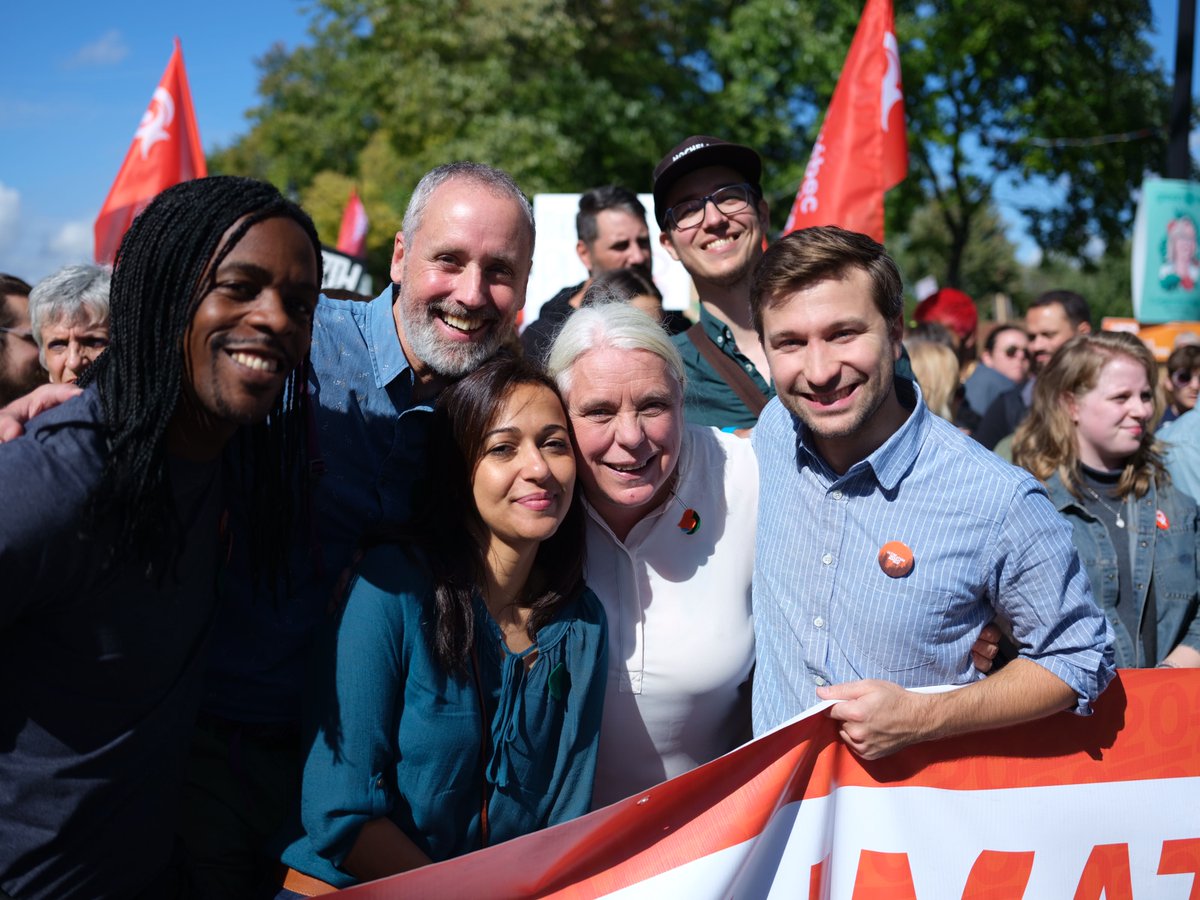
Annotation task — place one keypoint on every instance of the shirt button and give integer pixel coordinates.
(827, 558)
(379, 784)
(837, 495)
(818, 680)
(819, 622)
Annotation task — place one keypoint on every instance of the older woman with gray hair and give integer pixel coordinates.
(68, 313)
(671, 514)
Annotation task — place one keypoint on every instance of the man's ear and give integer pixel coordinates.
(397, 258)
(1083, 328)
(665, 239)
(764, 215)
(585, 255)
(896, 335)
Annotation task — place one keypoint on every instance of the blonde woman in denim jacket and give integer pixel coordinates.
(1088, 439)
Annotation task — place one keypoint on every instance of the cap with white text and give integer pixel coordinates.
(698, 152)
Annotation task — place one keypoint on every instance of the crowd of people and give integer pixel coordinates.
(306, 591)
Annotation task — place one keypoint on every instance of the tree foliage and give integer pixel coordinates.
(566, 94)
(1008, 90)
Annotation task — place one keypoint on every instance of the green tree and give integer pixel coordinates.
(1106, 282)
(989, 263)
(1008, 89)
(566, 94)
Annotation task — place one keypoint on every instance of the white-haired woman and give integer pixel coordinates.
(68, 313)
(671, 513)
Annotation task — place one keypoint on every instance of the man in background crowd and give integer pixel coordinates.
(1053, 319)
(709, 204)
(612, 232)
(20, 370)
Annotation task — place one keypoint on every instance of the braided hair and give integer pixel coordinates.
(166, 264)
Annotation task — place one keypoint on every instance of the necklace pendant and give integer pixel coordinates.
(1120, 523)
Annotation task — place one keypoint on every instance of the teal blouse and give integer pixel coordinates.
(392, 734)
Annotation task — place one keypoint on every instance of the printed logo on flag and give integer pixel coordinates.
(890, 91)
(155, 120)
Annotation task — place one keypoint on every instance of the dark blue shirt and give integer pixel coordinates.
(368, 440)
(100, 668)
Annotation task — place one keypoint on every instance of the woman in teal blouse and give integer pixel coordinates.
(458, 702)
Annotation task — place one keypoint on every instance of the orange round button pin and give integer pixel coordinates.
(896, 559)
(1160, 519)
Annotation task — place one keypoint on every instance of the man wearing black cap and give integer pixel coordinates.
(710, 207)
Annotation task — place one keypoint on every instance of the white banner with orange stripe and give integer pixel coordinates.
(1107, 805)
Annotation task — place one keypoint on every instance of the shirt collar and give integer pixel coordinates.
(718, 331)
(387, 356)
(896, 455)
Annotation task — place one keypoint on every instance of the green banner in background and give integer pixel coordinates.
(1166, 252)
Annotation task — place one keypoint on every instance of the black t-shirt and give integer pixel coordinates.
(100, 668)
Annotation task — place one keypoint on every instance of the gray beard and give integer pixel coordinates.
(450, 360)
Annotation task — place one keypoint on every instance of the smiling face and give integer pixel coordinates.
(525, 476)
(627, 411)
(69, 346)
(248, 333)
(1010, 355)
(1111, 418)
(722, 250)
(462, 278)
(622, 240)
(832, 357)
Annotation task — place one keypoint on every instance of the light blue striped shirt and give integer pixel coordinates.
(985, 540)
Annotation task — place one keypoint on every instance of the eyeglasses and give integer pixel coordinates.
(1184, 377)
(1010, 352)
(728, 200)
(22, 333)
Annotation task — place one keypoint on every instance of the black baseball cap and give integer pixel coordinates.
(697, 152)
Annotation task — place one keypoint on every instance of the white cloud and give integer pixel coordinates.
(10, 214)
(107, 50)
(72, 243)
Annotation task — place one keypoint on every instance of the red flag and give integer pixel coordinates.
(165, 151)
(352, 237)
(862, 149)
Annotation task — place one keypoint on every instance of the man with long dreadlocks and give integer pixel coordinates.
(110, 538)
(459, 272)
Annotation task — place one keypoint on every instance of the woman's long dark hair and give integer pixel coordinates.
(167, 262)
(450, 528)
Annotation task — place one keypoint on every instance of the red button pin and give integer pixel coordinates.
(896, 559)
(1160, 519)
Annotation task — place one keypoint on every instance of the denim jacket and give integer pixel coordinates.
(1162, 557)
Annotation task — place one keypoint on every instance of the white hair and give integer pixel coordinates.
(72, 294)
(617, 325)
(496, 181)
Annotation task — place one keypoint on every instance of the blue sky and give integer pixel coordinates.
(75, 78)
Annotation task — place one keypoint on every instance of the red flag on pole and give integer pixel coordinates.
(352, 237)
(862, 149)
(165, 151)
